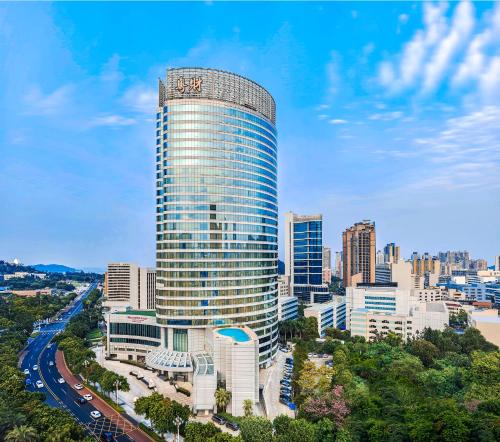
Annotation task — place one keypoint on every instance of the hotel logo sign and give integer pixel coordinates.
(192, 85)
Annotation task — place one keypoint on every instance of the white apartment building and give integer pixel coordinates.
(328, 314)
(401, 273)
(288, 308)
(24, 275)
(373, 310)
(487, 322)
(428, 295)
(283, 286)
(128, 286)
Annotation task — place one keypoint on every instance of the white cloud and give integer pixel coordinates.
(476, 64)
(38, 103)
(332, 73)
(398, 76)
(111, 121)
(447, 51)
(403, 18)
(386, 116)
(337, 121)
(461, 27)
(140, 98)
(465, 153)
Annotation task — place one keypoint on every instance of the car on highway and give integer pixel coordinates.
(35, 367)
(26, 372)
(39, 384)
(140, 376)
(134, 373)
(61, 380)
(95, 414)
(88, 397)
(49, 346)
(219, 419)
(78, 386)
(28, 381)
(81, 400)
(51, 363)
(232, 426)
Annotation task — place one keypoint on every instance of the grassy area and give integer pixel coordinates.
(230, 418)
(151, 433)
(95, 335)
(106, 399)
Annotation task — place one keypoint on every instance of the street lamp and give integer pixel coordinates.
(178, 421)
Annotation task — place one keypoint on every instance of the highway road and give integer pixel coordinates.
(40, 352)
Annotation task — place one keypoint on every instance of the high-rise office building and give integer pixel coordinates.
(497, 263)
(391, 253)
(379, 257)
(327, 265)
(216, 165)
(304, 255)
(338, 265)
(358, 256)
(127, 285)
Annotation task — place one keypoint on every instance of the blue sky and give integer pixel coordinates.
(386, 111)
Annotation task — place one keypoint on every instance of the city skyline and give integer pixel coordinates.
(78, 152)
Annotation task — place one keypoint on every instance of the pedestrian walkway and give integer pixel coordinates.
(119, 420)
(139, 388)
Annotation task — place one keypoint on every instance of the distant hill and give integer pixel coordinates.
(55, 268)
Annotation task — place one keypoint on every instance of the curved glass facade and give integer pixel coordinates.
(217, 216)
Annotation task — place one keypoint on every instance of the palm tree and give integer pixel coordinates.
(248, 407)
(22, 433)
(222, 398)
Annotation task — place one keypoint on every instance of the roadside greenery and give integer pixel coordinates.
(23, 415)
(163, 412)
(81, 359)
(301, 328)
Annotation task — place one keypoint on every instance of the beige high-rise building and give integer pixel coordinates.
(497, 263)
(358, 244)
(129, 286)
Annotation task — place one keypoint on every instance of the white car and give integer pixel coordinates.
(35, 367)
(88, 397)
(26, 371)
(51, 363)
(78, 387)
(61, 381)
(50, 345)
(95, 414)
(39, 384)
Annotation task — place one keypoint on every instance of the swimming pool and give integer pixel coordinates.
(236, 333)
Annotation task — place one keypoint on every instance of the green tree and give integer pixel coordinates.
(22, 434)
(222, 398)
(248, 407)
(426, 351)
(310, 329)
(256, 429)
(325, 431)
(281, 423)
(198, 432)
(299, 430)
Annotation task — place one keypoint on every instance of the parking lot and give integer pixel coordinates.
(271, 379)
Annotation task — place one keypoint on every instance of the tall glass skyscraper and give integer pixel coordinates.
(216, 165)
(304, 257)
